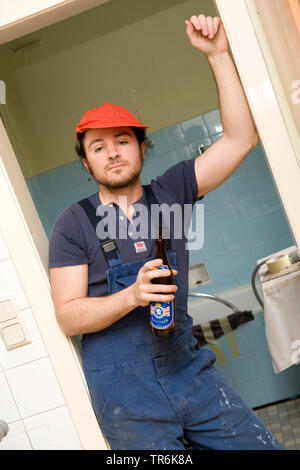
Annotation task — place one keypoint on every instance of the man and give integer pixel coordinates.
(149, 392)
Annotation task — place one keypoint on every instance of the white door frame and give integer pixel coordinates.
(254, 60)
(23, 23)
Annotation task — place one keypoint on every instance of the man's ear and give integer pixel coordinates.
(86, 164)
(143, 147)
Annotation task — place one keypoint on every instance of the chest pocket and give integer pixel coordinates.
(123, 282)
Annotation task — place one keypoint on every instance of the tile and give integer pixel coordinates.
(243, 277)
(218, 198)
(8, 408)
(241, 171)
(234, 239)
(53, 204)
(10, 284)
(29, 352)
(256, 159)
(227, 217)
(242, 187)
(158, 166)
(256, 336)
(253, 392)
(243, 368)
(261, 250)
(216, 137)
(277, 224)
(34, 387)
(213, 121)
(156, 147)
(262, 181)
(178, 155)
(264, 362)
(218, 268)
(268, 201)
(241, 338)
(247, 210)
(172, 137)
(4, 254)
(279, 386)
(52, 430)
(256, 232)
(213, 245)
(16, 438)
(196, 257)
(226, 283)
(49, 182)
(240, 261)
(194, 129)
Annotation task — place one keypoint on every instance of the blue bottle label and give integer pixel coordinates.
(161, 313)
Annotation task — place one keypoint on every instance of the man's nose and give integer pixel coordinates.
(113, 151)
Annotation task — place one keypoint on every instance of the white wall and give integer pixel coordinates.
(31, 402)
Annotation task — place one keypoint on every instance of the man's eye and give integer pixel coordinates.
(98, 148)
(123, 142)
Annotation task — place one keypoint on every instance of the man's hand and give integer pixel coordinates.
(207, 34)
(144, 292)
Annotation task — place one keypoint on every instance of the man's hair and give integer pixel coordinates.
(140, 134)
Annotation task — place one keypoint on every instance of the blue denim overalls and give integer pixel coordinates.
(151, 392)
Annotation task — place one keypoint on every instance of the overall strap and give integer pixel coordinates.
(162, 228)
(108, 245)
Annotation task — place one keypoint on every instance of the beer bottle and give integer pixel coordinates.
(162, 314)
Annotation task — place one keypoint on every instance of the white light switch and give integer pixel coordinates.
(13, 334)
(7, 311)
(12, 327)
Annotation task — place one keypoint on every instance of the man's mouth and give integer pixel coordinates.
(119, 165)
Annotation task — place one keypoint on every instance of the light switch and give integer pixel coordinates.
(13, 329)
(7, 311)
(13, 334)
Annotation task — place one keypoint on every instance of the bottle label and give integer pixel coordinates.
(161, 313)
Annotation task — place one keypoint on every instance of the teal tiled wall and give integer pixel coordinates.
(243, 221)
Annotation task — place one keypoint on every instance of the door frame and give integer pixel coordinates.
(42, 18)
(262, 87)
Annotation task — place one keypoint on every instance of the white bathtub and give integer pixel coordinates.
(242, 297)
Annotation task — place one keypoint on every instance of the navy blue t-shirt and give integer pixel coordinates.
(73, 241)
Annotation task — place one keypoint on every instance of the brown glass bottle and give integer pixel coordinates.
(162, 314)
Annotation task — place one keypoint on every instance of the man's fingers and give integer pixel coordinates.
(216, 22)
(196, 22)
(210, 26)
(154, 263)
(206, 24)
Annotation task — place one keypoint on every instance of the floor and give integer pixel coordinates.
(283, 420)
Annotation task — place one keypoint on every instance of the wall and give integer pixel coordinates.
(31, 402)
(243, 218)
(108, 53)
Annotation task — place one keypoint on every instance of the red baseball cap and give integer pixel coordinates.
(107, 115)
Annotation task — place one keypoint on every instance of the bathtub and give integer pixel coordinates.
(242, 297)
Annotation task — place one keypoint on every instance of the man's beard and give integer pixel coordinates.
(129, 181)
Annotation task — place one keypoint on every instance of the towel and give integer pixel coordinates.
(208, 332)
